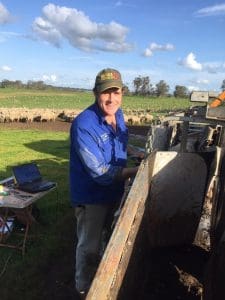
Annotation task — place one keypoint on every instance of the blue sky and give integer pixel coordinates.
(65, 43)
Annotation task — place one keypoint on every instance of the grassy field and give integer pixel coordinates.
(80, 100)
(50, 152)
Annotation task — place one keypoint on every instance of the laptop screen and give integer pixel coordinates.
(26, 173)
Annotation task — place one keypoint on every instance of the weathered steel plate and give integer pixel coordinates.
(172, 194)
(176, 198)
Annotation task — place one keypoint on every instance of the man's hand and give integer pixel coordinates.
(135, 152)
(126, 173)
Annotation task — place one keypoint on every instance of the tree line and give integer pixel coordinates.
(142, 86)
(34, 85)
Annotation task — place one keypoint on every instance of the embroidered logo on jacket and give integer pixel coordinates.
(105, 137)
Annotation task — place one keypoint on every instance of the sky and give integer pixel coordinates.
(66, 43)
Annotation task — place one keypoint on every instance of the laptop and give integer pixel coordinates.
(29, 179)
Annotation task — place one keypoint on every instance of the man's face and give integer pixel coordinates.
(110, 100)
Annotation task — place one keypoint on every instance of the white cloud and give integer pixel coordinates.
(148, 52)
(5, 16)
(59, 23)
(214, 10)
(50, 78)
(198, 84)
(191, 63)
(6, 68)
(214, 67)
(202, 81)
(193, 88)
(153, 47)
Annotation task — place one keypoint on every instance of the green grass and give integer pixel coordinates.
(50, 151)
(44, 99)
(22, 146)
(154, 105)
(80, 100)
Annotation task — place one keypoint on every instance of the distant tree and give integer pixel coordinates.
(30, 84)
(162, 88)
(137, 84)
(39, 85)
(145, 85)
(18, 84)
(142, 85)
(5, 83)
(152, 90)
(180, 91)
(223, 85)
(126, 90)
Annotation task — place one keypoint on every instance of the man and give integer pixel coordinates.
(98, 156)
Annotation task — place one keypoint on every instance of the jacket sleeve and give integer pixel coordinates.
(92, 158)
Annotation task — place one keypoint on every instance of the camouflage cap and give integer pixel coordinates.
(106, 79)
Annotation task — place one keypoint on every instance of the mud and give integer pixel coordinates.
(61, 126)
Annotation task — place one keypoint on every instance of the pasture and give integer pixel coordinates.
(80, 100)
(25, 277)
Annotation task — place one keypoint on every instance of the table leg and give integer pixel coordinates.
(4, 225)
(23, 215)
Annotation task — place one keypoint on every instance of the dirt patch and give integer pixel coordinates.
(61, 126)
(47, 126)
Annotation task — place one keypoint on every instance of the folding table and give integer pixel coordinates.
(19, 203)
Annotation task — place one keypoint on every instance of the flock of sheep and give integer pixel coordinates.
(8, 115)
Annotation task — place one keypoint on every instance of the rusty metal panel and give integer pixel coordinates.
(205, 235)
(111, 271)
(176, 198)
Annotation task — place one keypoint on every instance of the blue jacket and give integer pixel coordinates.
(97, 154)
